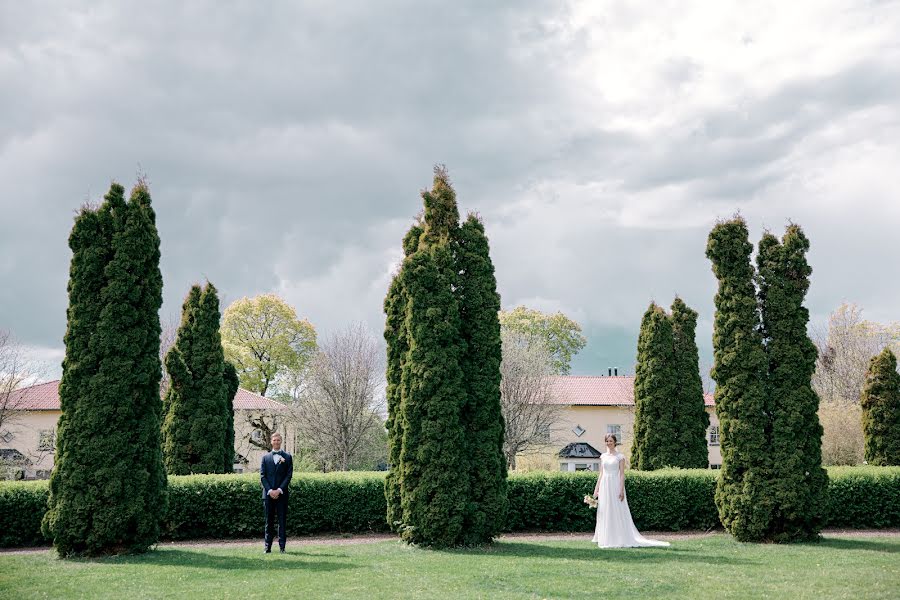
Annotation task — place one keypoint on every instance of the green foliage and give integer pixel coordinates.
(441, 217)
(798, 480)
(445, 426)
(880, 402)
(22, 507)
(232, 382)
(691, 419)
(199, 423)
(482, 419)
(664, 500)
(743, 493)
(108, 487)
(267, 343)
(655, 433)
(772, 485)
(229, 506)
(558, 333)
(670, 418)
(395, 335)
(433, 473)
(862, 497)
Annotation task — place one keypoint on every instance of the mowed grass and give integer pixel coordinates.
(712, 567)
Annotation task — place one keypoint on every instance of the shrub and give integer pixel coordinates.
(22, 507)
(667, 499)
(226, 506)
(863, 497)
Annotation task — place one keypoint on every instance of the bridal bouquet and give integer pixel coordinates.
(590, 501)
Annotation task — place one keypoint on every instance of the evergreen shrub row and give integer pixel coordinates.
(230, 506)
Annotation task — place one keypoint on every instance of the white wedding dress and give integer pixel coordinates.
(615, 529)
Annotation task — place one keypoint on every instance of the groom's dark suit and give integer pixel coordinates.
(276, 475)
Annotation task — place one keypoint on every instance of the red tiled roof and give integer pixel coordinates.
(245, 400)
(45, 396)
(595, 390)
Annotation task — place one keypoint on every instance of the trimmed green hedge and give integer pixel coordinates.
(863, 497)
(22, 506)
(223, 506)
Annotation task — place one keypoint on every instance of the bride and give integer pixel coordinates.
(615, 529)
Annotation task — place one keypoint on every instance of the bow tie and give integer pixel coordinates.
(278, 452)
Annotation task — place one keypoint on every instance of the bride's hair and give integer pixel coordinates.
(611, 435)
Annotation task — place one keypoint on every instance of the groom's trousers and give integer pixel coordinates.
(275, 508)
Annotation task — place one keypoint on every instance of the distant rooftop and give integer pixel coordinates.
(45, 396)
(598, 390)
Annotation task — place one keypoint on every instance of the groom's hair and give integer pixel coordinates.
(276, 434)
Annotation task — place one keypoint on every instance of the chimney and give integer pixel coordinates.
(610, 372)
(616, 371)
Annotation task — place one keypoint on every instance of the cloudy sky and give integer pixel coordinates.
(286, 143)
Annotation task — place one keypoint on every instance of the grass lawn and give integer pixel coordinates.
(707, 567)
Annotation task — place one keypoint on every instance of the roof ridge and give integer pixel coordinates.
(597, 376)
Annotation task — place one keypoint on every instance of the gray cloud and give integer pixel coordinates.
(285, 147)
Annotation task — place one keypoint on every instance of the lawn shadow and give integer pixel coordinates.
(856, 544)
(257, 564)
(594, 554)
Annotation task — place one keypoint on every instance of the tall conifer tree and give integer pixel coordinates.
(198, 403)
(433, 469)
(395, 335)
(743, 490)
(655, 434)
(445, 428)
(799, 482)
(880, 402)
(108, 487)
(482, 416)
(690, 416)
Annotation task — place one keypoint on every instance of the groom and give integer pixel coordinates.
(275, 472)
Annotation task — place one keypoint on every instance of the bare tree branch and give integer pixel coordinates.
(845, 349)
(342, 406)
(531, 415)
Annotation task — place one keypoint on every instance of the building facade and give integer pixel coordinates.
(28, 439)
(593, 406)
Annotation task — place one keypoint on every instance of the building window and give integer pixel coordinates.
(6, 437)
(563, 466)
(256, 435)
(579, 430)
(616, 430)
(713, 435)
(715, 466)
(47, 440)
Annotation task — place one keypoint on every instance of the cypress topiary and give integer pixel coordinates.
(880, 402)
(175, 430)
(198, 404)
(743, 491)
(395, 335)
(481, 415)
(433, 469)
(655, 436)
(690, 416)
(799, 482)
(447, 481)
(108, 487)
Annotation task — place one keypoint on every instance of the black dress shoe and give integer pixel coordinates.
(282, 550)
(268, 549)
